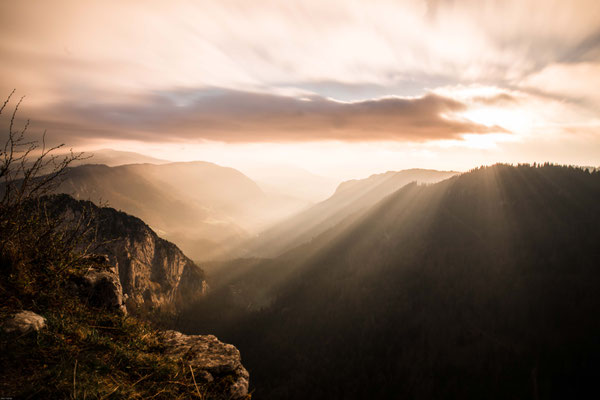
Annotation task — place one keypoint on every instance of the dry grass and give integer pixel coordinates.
(93, 354)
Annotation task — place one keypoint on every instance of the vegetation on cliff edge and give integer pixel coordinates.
(84, 352)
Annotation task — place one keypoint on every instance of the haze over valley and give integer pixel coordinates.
(195, 204)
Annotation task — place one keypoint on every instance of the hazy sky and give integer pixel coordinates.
(340, 87)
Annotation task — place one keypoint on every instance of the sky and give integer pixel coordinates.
(342, 88)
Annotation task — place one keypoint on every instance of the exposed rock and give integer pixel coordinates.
(24, 322)
(100, 287)
(153, 273)
(210, 358)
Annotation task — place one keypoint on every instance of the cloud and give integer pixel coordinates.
(501, 99)
(90, 71)
(243, 117)
(69, 47)
(574, 81)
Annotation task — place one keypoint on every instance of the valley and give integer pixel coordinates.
(349, 296)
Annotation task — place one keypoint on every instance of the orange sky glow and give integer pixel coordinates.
(343, 88)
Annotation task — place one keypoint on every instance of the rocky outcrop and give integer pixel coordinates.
(153, 273)
(24, 322)
(209, 358)
(104, 289)
(100, 286)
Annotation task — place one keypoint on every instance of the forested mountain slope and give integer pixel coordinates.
(484, 285)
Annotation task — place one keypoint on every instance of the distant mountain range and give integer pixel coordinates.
(349, 200)
(113, 158)
(484, 285)
(215, 212)
(274, 179)
(205, 208)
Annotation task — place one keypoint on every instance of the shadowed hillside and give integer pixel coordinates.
(481, 286)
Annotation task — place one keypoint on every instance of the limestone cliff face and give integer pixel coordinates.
(153, 272)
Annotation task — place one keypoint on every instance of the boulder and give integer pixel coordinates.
(24, 322)
(105, 290)
(100, 287)
(209, 358)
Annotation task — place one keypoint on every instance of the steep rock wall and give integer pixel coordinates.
(153, 272)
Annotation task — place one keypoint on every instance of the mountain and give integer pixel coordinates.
(113, 158)
(225, 190)
(484, 285)
(349, 200)
(205, 208)
(153, 273)
(197, 229)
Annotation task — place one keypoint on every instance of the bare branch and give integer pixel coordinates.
(29, 169)
(7, 100)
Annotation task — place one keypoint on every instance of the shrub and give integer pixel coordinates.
(35, 254)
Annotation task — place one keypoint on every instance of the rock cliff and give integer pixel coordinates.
(110, 354)
(153, 273)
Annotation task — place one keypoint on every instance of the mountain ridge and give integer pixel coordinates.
(349, 199)
(192, 204)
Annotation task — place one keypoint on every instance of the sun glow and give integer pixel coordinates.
(511, 119)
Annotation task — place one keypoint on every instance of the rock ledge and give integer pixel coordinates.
(209, 358)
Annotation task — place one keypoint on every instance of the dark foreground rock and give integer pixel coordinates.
(209, 358)
(100, 287)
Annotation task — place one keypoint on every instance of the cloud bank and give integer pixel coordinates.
(146, 70)
(242, 117)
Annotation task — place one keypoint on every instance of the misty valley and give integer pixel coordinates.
(483, 285)
(416, 283)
